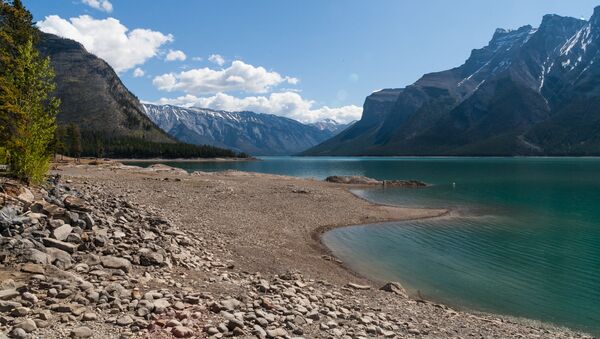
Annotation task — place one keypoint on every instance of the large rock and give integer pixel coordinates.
(8, 294)
(81, 332)
(61, 233)
(27, 325)
(353, 180)
(182, 332)
(48, 209)
(404, 183)
(116, 263)
(149, 258)
(10, 216)
(59, 258)
(33, 268)
(75, 203)
(394, 287)
(37, 257)
(18, 191)
(61, 245)
(161, 305)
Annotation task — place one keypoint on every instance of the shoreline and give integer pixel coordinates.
(181, 160)
(271, 230)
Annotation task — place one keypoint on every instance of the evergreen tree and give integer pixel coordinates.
(30, 144)
(74, 141)
(27, 110)
(16, 29)
(60, 143)
(99, 148)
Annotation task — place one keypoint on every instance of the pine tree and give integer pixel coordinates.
(60, 143)
(74, 141)
(30, 145)
(16, 29)
(27, 108)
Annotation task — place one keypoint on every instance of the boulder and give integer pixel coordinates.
(59, 258)
(61, 233)
(161, 305)
(81, 332)
(76, 204)
(394, 287)
(182, 332)
(404, 183)
(32, 268)
(149, 258)
(61, 245)
(8, 294)
(27, 325)
(18, 191)
(353, 180)
(37, 257)
(116, 263)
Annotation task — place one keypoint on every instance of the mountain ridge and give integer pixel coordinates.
(245, 131)
(496, 103)
(109, 116)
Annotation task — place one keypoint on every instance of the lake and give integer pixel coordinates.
(524, 241)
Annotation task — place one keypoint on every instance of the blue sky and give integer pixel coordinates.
(306, 59)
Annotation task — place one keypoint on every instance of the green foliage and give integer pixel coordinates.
(94, 145)
(73, 138)
(3, 156)
(71, 142)
(60, 146)
(27, 110)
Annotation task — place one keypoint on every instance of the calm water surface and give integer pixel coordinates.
(525, 241)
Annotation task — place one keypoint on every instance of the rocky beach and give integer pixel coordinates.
(114, 251)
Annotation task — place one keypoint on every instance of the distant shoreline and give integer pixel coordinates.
(161, 160)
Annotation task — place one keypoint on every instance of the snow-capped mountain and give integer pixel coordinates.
(253, 133)
(331, 125)
(530, 91)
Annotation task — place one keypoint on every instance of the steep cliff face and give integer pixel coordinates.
(92, 95)
(249, 132)
(528, 92)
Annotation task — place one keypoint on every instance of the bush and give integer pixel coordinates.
(3, 158)
(31, 145)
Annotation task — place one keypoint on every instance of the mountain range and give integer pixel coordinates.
(248, 132)
(530, 91)
(92, 95)
(111, 118)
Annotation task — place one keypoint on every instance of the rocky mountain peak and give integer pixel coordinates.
(529, 91)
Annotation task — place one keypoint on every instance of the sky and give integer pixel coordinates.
(307, 60)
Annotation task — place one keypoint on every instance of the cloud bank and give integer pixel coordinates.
(240, 76)
(216, 59)
(287, 104)
(102, 5)
(175, 55)
(110, 40)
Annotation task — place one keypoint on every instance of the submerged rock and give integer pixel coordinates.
(353, 180)
(362, 180)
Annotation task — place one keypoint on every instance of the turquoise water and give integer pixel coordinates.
(525, 240)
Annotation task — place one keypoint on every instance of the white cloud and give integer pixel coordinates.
(287, 104)
(216, 59)
(138, 73)
(103, 5)
(175, 55)
(197, 58)
(237, 77)
(110, 40)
